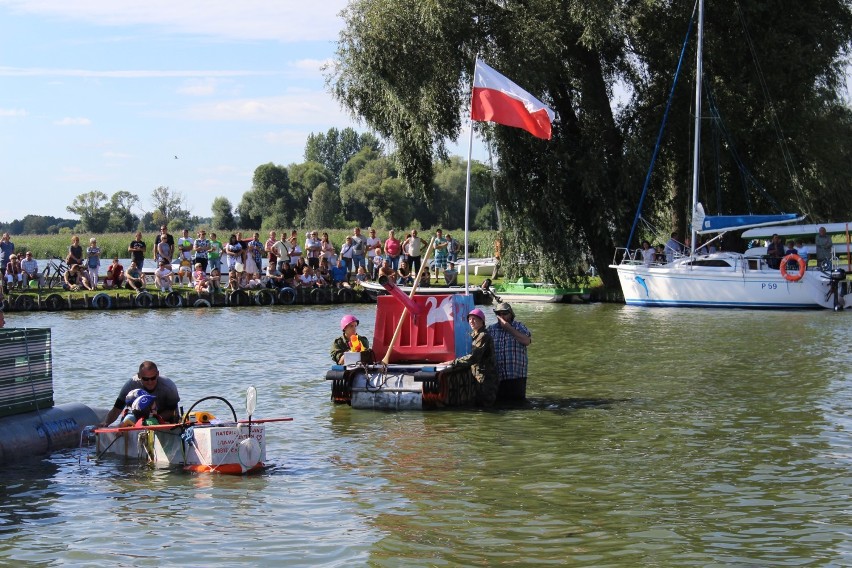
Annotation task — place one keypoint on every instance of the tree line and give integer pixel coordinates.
(347, 179)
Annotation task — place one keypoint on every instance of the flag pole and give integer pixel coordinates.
(467, 189)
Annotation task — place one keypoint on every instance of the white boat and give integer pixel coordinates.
(199, 443)
(726, 279)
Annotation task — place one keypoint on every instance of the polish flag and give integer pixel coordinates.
(497, 99)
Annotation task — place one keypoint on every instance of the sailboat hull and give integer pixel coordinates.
(724, 280)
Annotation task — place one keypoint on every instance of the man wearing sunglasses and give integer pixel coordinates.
(149, 379)
(511, 339)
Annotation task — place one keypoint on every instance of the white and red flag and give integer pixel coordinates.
(497, 99)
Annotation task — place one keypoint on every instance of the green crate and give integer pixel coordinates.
(26, 371)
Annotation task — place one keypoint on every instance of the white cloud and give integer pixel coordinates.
(127, 73)
(199, 87)
(73, 121)
(12, 112)
(251, 20)
(120, 155)
(299, 108)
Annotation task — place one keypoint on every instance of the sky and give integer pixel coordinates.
(125, 95)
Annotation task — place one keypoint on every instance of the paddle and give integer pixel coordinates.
(396, 332)
(251, 403)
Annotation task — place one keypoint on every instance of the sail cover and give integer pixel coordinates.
(720, 223)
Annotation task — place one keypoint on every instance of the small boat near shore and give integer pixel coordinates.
(199, 443)
(478, 294)
(523, 290)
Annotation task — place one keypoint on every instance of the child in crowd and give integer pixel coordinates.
(163, 277)
(184, 271)
(361, 275)
(200, 278)
(109, 282)
(378, 260)
(214, 283)
(233, 281)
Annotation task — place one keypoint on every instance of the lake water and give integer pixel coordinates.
(653, 437)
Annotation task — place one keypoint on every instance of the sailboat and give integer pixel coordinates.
(726, 279)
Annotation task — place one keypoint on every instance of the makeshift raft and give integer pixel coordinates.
(414, 335)
(200, 443)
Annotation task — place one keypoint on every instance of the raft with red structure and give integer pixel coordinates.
(414, 336)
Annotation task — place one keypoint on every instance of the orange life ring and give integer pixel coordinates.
(802, 267)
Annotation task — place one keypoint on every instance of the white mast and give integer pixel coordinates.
(699, 63)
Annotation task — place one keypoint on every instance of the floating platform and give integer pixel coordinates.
(182, 298)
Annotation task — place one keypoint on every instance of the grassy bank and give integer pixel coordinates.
(112, 244)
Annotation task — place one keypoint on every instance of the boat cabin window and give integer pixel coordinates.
(717, 262)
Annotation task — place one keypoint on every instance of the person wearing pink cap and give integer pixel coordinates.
(348, 340)
(481, 360)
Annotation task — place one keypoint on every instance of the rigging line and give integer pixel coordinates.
(773, 115)
(745, 172)
(662, 127)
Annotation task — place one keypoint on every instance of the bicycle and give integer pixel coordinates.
(54, 272)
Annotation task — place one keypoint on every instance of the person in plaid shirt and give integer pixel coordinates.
(510, 345)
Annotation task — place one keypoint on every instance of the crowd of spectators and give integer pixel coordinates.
(246, 261)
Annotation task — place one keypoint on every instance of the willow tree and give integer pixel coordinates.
(404, 67)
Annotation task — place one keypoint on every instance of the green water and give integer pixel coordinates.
(652, 437)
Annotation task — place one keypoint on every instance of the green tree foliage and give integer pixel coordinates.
(269, 198)
(404, 67)
(121, 216)
(223, 216)
(169, 208)
(92, 211)
(334, 148)
(324, 208)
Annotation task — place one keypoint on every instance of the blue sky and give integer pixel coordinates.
(103, 94)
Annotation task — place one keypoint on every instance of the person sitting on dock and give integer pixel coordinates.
(386, 271)
(14, 273)
(134, 278)
(451, 275)
(404, 277)
(481, 360)
(149, 379)
(349, 340)
(339, 274)
(214, 283)
(234, 281)
(288, 274)
(29, 268)
(200, 277)
(511, 339)
(118, 274)
(163, 277)
(75, 279)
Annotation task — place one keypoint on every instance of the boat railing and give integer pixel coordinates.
(624, 255)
